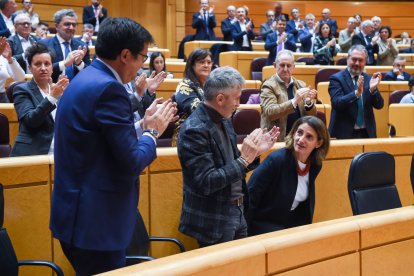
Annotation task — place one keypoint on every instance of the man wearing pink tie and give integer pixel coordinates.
(94, 14)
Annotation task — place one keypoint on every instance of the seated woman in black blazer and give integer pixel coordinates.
(35, 103)
(282, 188)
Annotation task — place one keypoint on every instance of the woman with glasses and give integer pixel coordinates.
(189, 92)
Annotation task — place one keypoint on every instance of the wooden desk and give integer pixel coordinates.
(401, 116)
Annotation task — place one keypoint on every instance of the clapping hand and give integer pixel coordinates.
(140, 84)
(375, 81)
(154, 81)
(159, 116)
(258, 142)
(56, 90)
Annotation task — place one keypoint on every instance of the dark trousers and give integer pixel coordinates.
(235, 228)
(91, 262)
(360, 133)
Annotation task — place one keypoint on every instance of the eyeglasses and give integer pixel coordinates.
(24, 24)
(26, 2)
(68, 24)
(145, 57)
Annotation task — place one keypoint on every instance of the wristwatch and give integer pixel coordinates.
(153, 132)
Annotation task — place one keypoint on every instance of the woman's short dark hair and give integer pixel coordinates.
(320, 29)
(36, 49)
(318, 154)
(151, 63)
(388, 28)
(117, 34)
(196, 55)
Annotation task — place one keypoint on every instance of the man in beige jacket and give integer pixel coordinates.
(284, 99)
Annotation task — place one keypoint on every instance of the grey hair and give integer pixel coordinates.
(221, 79)
(400, 58)
(21, 17)
(376, 18)
(58, 16)
(358, 47)
(284, 53)
(366, 23)
(88, 26)
(310, 15)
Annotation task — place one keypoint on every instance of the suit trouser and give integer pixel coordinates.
(235, 228)
(91, 262)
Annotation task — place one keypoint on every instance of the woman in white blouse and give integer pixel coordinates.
(35, 102)
(9, 67)
(282, 187)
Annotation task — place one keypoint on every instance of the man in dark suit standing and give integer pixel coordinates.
(7, 7)
(94, 14)
(293, 26)
(267, 27)
(22, 39)
(278, 41)
(98, 158)
(204, 21)
(307, 33)
(70, 55)
(279, 13)
(227, 22)
(365, 38)
(242, 31)
(214, 169)
(326, 18)
(354, 94)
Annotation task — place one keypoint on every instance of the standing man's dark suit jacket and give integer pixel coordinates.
(17, 49)
(345, 105)
(98, 160)
(371, 49)
(54, 47)
(36, 124)
(88, 15)
(226, 29)
(272, 190)
(4, 31)
(305, 38)
(237, 35)
(271, 46)
(207, 179)
(199, 24)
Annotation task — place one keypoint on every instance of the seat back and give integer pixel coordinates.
(412, 172)
(321, 115)
(256, 67)
(8, 259)
(397, 95)
(371, 183)
(324, 74)
(244, 122)
(342, 61)
(10, 89)
(246, 92)
(306, 60)
(4, 136)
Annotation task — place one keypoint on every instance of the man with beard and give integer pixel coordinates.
(353, 96)
(94, 14)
